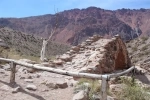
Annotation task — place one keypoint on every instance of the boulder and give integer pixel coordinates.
(82, 95)
(65, 58)
(28, 80)
(31, 70)
(15, 90)
(56, 84)
(72, 51)
(31, 87)
(75, 48)
(89, 41)
(61, 84)
(51, 85)
(58, 62)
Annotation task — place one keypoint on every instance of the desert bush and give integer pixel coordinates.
(144, 48)
(129, 46)
(132, 91)
(135, 60)
(144, 38)
(140, 55)
(134, 49)
(92, 86)
(147, 53)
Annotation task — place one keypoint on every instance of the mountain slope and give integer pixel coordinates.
(74, 26)
(137, 19)
(139, 51)
(29, 45)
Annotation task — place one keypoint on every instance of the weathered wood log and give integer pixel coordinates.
(69, 73)
(59, 71)
(6, 60)
(13, 71)
(54, 70)
(121, 73)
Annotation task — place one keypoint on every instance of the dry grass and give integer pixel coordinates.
(93, 86)
(132, 91)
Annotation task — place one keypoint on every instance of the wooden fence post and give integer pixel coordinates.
(104, 85)
(13, 71)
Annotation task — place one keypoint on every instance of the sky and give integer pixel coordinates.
(26, 8)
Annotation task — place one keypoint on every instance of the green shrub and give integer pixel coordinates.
(93, 86)
(133, 91)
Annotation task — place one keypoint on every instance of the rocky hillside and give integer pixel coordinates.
(29, 45)
(139, 51)
(74, 26)
(137, 19)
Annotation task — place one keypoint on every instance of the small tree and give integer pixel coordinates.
(45, 41)
(44, 45)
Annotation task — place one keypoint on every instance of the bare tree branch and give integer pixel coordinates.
(45, 42)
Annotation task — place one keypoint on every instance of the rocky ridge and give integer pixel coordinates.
(76, 25)
(28, 45)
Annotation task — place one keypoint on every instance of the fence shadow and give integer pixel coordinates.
(24, 91)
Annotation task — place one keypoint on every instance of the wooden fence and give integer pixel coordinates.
(105, 78)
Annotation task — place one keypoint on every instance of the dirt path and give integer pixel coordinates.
(39, 79)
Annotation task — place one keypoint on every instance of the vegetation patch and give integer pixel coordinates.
(144, 38)
(134, 49)
(93, 87)
(132, 91)
(144, 48)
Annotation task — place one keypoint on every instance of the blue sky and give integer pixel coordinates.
(24, 8)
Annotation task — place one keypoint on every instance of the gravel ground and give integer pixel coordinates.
(39, 79)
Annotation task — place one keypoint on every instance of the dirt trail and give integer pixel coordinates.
(39, 79)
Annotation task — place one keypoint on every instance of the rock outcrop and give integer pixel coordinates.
(97, 55)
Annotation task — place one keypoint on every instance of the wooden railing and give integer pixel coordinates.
(105, 78)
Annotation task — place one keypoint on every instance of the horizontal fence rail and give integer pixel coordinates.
(54, 70)
(121, 73)
(105, 78)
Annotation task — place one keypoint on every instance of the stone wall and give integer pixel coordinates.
(96, 55)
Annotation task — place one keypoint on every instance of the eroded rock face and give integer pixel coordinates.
(97, 55)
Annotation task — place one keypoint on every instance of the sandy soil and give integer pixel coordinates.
(39, 78)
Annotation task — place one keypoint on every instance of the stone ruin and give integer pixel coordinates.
(96, 55)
